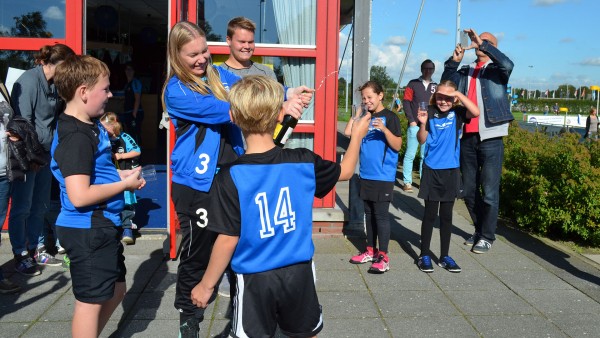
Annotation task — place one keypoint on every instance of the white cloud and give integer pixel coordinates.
(521, 37)
(396, 40)
(4, 29)
(566, 40)
(547, 3)
(591, 62)
(54, 13)
(440, 31)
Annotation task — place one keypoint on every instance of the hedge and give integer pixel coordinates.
(551, 185)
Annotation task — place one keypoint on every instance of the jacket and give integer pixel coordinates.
(493, 80)
(24, 152)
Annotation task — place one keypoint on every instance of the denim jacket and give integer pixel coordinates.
(493, 81)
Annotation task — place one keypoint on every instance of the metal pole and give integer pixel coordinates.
(457, 22)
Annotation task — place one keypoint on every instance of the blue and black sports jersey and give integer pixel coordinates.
(443, 145)
(378, 161)
(79, 148)
(122, 144)
(266, 199)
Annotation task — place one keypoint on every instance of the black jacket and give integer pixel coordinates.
(24, 152)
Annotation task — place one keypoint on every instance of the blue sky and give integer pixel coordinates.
(559, 38)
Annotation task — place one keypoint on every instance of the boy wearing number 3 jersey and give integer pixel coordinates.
(263, 214)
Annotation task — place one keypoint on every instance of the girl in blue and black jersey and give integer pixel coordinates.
(195, 96)
(440, 128)
(378, 162)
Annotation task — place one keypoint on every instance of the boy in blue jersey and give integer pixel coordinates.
(263, 214)
(91, 194)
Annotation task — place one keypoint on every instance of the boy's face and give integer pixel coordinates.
(241, 44)
(97, 97)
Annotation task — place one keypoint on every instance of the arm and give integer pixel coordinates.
(504, 64)
(407, 103)
(23, 95)
(472, 109)
(137, 93)
(422, 133)
(127, 155)
(81, 193)
(219, 259)
(131, 147)
(359, 130)
(348, 129)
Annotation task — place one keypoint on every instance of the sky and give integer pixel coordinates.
(551, 42)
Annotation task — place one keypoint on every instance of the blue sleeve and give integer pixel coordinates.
(183, 103)
(136, 85)
(130, 144)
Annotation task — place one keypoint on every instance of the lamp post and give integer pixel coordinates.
(597, 89)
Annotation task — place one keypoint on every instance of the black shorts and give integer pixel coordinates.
(376, 191)
(97, 261)
(286, 297)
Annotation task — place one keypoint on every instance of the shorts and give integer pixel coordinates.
(286, 297)
(376, 191)
(97, 261)
(442, 185)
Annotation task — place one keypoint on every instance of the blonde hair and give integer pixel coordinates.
(256, 101)
(76, 71)
(182, 33)
(111, 119)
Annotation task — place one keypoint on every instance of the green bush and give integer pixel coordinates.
(551, 185)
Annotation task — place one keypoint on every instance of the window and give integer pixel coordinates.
(272, 19)
(15, 59)
(32, 19)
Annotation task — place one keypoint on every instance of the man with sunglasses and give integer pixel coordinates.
(482, 149)
(417, 90)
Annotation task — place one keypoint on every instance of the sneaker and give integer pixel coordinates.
(66, 262)
(482, 246)
(364, 257)
(407, 187)
(224, 286)
(60, 250)
(471, 240)
(44, 258)
(424, 264)
(7, 287)
(449, 264)
(381, 264)
(25, 265)
(127, 237)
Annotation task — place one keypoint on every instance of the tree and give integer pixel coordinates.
(31, 25)
(380, 75)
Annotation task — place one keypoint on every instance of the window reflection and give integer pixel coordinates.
(32, 19)
(277, 21)
(15, 59)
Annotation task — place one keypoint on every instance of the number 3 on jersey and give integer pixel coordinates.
(204, 159)
(284, 214)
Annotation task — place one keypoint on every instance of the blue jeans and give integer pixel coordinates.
(481, 167)
(412, 144)
(4, 197)
(30, 201)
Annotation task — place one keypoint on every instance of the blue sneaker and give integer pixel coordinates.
(449, 264)
(424, 264)
(127, 237)
(25, 265)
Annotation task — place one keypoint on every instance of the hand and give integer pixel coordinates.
(12, 137)
(360, 126)
(133, 178)
(293, 107)
(458, 53)
(201, 295)
(302, 92)
(378, 124)
(422, 117)
(475, 39)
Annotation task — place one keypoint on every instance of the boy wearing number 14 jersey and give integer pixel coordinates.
(263, 215)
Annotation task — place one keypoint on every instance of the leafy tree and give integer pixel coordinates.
(380, 75)
(31, 25)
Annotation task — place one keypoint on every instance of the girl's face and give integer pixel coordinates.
(371, 99)
(445, 98)
(195, 56)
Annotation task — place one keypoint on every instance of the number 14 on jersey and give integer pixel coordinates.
(284, 213)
